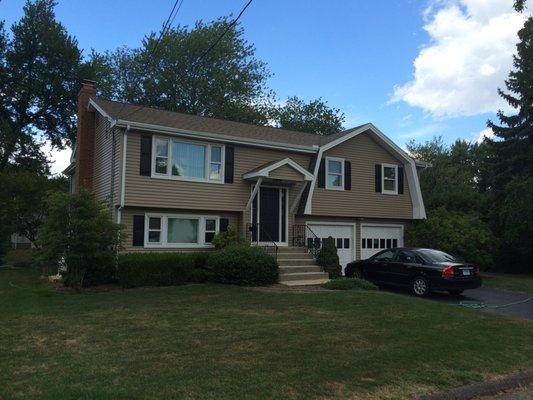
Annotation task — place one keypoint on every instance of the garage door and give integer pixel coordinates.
(344, 239)
(375, 238)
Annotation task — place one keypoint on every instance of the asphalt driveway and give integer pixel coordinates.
(497, 301)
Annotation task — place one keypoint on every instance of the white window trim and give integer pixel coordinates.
(207, 165)
(341, 160)
(164, 230)
(383, 190)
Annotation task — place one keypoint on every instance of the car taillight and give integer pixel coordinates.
(447, 272)
(476, 270)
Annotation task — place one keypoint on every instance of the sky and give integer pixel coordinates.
(414, 68)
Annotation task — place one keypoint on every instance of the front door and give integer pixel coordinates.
(269, 215)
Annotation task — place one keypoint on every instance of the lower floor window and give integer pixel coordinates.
(180, 230)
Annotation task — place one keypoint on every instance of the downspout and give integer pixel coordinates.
(123, 175)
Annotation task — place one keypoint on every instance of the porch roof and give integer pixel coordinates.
(285, 169)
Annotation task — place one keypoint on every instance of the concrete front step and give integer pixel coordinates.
(299, 268)
(296, 261)
(287, 256)
(307, 282)
(302, 276)
(290, 249)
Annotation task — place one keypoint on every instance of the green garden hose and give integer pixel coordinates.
(479, 304)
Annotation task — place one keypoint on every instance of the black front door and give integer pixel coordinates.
(269, 214)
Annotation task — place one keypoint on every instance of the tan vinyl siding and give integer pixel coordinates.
(103, 148)
(286, 172)
(362, 200)
(145, 191)
(127, 222)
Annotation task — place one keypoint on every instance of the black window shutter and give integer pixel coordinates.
(347, 175)
(138, 230)
(229, 162)
(224, 223)
(400, 180)
(322, 174)
(378, 177)
(146, 155)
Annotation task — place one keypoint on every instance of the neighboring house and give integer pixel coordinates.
(174, 180)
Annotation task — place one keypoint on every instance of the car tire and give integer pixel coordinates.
(420, 286)
(455, 292)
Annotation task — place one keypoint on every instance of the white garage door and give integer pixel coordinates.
(344, 239)
(375, 238)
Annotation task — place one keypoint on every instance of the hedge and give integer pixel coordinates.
(243, 265)
(161, 269)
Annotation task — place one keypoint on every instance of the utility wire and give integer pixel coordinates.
(206, 52)
(152, 56)
(209, 49)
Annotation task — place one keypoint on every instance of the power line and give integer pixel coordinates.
(152, 55)
(222, 35)
(206, 52)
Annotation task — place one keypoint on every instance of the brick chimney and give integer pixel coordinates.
(85, 137)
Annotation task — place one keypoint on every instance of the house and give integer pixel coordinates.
(174, 180)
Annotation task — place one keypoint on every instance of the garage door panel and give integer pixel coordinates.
(343, 236)
(375, 238)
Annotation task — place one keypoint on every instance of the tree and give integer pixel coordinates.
(79, 231)
(457, 177)
(462, 234)
(454, 192)
(23, 196)
(40, 73)
(180, 75)
(511, 158)
(314, 117)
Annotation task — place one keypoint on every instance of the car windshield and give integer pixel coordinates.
(437, 256)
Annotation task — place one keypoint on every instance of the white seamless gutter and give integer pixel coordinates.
(123, 175)
(216, 137)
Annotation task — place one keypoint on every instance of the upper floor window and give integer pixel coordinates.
(389, 176)
(182, 159)
(334, 173)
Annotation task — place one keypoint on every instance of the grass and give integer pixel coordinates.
(519, 283)
(349, 284)
(225, 342)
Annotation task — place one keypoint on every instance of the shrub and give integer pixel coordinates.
(161, 269)
(328, 258)
(349, 284)
(464, 235)
(79, 230)
(228, 238)
(243, 265)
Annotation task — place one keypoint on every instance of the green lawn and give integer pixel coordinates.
(519, 283)
(223, 342)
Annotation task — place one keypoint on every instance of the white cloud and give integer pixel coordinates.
(425, 130)
(468, 58)
(59, 159)
(485, 133)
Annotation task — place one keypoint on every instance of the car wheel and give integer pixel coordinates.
(358, 274)
(455, 292)
(420, 286)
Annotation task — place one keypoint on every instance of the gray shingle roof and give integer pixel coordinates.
(195, 123)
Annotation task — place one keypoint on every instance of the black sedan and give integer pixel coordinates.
(421, 270)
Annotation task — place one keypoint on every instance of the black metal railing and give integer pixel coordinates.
(256, 235)
(303, 236)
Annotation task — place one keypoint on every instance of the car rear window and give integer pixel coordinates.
(437, 256)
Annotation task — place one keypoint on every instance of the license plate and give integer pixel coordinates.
(466, 272)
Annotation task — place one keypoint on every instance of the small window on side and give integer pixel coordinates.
(339, 243)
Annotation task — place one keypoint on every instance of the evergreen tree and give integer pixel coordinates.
(511, 160)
